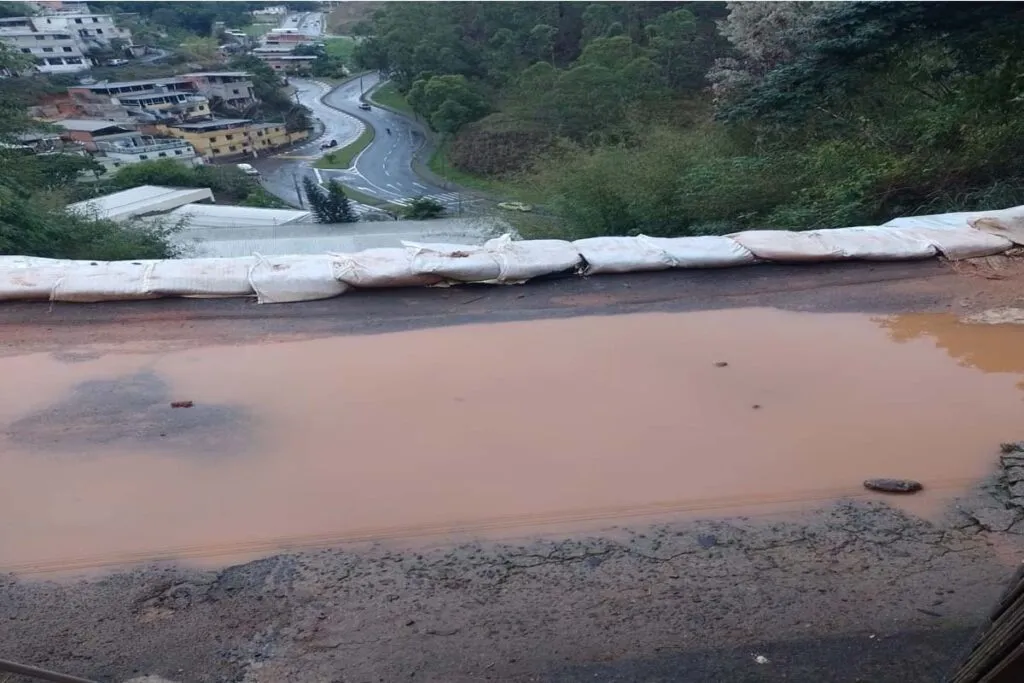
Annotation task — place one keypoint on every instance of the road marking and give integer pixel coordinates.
(316, 172)
(422, 187)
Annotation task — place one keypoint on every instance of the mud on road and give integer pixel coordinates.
(846, 590)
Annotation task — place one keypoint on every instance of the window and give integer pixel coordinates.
(259, 133)
(26, 50)
(213, 139)
(215, 150)
(68, 49)
(95, 20)
(143, 156)
(231, 148)
(40, 37)
(47, 49)
(99, 31)
(229, 137)
(78, 21)
(177, 152)
(73, 60)
(162, 154)
(235, 91)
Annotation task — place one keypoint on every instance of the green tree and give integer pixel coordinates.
(424, 208)
(330, 205)
(449, 102)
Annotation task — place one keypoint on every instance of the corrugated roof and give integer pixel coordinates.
(213, 216)
(92, 125)
(140, 201)
(207, 125)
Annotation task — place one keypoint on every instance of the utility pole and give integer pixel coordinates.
(298, 192)
(360, 85)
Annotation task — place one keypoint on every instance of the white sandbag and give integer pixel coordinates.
(952, 234)
(522, 260)
(873, 243)
(621, 255)
(960, 243)
(24, 278)
(29, 261)
(1008, 223)
(287, 279)
(783, 246)
(703, 251)
(382, 267)
(91, 281)
(453, 262)
(202, 277)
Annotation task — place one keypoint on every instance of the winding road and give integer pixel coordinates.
(384, 170)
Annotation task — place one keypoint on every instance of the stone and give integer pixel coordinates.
(996, 519)
(1015, 474)
(893, 485)
(1016, 502)
(1017, 490)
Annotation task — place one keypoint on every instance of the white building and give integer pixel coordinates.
(59, 43)
(132, 150)
(273, 11)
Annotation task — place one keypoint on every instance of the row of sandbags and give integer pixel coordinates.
(282, 279)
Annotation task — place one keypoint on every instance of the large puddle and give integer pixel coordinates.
(487, 427)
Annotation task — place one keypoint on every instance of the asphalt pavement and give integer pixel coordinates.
(385, 168)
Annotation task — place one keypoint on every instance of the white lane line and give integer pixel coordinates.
(319, 179)
(422, 187)
(387, 173)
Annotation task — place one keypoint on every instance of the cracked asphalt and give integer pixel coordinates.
(845, 592)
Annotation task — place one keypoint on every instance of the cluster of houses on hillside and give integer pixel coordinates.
(125, 122)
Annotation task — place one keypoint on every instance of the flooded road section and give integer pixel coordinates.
(487, 427)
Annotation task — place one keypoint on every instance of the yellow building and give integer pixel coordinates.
(232, 137)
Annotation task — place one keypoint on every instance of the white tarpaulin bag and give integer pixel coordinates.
(90, 281)
(202, 277)
(519, 261)
(1008, 223)
(952, 234)
(383, 267)
(454, 262)
(621, 255)
(873, 243)
(287, 279)
(702, 251)
(783, 246)
(26, 277)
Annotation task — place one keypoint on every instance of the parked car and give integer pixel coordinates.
(328, 145)
(247, 169)
(365, 106)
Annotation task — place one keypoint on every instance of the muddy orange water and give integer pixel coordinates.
(484, 427)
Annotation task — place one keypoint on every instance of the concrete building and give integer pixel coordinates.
(91, 132)
(141, 201)
(123, 151)
(289, 64)
(234, 88)
(219, 138)
(60, 42)
(54, 52)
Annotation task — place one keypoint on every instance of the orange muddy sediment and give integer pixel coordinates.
(484, 427)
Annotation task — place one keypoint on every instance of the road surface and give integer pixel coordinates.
(385, 168)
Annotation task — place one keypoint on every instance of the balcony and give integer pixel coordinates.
(162, 146)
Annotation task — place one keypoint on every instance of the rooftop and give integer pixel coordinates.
(212, 216)
(211, 125)
(152, 82)
(93, 125)
(139, 201)
(238, 74)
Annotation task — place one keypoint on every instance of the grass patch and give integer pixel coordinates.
(342, 158)
(340, 47)
(388, 96)
(503, 189)
(370, 200)
(257, 30)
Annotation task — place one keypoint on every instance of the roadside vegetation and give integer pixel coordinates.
(344, 156)
(389, 96)
(705, 118)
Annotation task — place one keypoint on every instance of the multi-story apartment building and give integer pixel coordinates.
(289, 64)
(137, 148)
(52, 51)
(60, 42)
(231, 137)
(234, 88)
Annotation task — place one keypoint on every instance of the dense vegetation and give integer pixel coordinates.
(697, 117)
